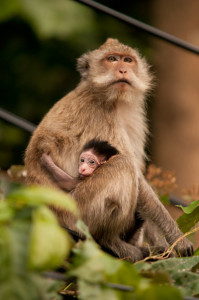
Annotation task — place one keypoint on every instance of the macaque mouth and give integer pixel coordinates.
(82, 176)
(122, 81)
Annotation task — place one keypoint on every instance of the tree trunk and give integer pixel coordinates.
(176, 107)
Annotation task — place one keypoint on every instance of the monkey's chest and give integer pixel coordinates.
(100, 127)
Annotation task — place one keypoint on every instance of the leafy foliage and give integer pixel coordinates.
(101, 276)
(31, 242)
(29, 235)
(175, 270)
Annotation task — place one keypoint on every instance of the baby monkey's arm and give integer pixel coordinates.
(61, 178)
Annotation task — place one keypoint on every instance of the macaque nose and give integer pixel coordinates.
(83, 170)
(122, 71)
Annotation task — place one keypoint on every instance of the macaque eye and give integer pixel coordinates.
(91, 162)
(112, 58)
(128, 59)
(82, 160)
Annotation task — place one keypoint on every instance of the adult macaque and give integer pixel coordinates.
(93, 154)
(108, 104)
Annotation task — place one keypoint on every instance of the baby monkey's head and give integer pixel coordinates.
(94, 154)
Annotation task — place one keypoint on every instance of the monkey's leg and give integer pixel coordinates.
(131, 252)
(153, 235)
(149, 206)
(153, 245)
(124, 250)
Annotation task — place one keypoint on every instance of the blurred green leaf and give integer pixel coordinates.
(8, 8)
(30, 236)
(179, 270)
(6, 212)
(90, 291)
(160, 293)
(94, 269)
(89, 257)
(196, 252)
(49, 243)
(58, 18)
(36, 195)
(101, 276)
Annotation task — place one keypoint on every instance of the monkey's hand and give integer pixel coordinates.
(184, 247)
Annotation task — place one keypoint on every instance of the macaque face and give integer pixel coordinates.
(120, 68)
(89, 162)
(115, 71)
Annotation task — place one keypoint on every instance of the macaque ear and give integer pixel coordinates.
(83, 65)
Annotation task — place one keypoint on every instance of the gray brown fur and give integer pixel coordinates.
(96, 109)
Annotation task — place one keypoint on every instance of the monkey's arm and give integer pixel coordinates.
(61, 178)
(149, 206)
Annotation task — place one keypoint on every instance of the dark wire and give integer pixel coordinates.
(142, 26)
(17, 121)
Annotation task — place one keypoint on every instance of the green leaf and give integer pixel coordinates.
(8, 8)
(49, 243)
(187, 221)
(176, 264)
(187, 282)
(179, 270)
(190, 217)
(90, 291)
(92, 264)
(98, 273)
(20, 238)
(15, 282)
(51, 18)
(37, 195)
(196, 252)
(190, 208)
(6, 212)
(160, 292)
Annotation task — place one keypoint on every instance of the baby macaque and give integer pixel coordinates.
(93, 154)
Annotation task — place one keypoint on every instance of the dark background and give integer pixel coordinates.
(39, 47)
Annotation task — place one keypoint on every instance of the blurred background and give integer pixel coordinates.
(41, 40)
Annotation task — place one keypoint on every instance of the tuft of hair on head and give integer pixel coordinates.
(101, 148)
(110, 42)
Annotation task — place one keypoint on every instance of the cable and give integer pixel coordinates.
(17, 121)
(142, 26)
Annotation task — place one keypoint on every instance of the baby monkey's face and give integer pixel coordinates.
(89, 162)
